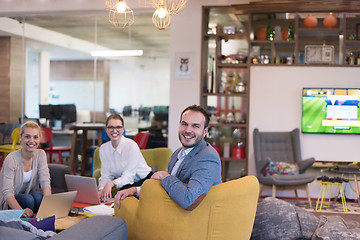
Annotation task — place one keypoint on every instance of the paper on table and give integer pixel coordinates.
(100, 210)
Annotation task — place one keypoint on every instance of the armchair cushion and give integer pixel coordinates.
(281, 168)
(305, 164)
(156, 216)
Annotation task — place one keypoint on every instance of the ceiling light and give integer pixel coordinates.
(161, 18)
(117, 53)
(120, 15)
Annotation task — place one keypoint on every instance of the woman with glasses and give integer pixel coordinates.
(122, 164)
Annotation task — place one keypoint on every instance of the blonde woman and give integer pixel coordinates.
(24, 177)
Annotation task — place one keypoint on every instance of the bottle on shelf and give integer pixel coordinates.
(351, 59)
(291, 31)
(270, 32)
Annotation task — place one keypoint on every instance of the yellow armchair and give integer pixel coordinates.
(155, 157)
(227, 212)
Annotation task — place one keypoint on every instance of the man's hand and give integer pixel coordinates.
(28, 213)
(160, 175)
(105, 193)
(122, 194)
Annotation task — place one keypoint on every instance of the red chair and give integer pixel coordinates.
(46, 138)
(141, 138)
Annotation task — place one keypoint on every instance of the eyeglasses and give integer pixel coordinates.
(114, 127)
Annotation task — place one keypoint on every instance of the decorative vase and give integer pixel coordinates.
(330, 21)
(284, 34)
(261, 34)
(310, 21)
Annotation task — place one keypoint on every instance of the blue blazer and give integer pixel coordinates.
(200, 170)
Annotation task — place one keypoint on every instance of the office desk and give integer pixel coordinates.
(84, 128)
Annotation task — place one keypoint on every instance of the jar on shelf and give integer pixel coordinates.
(238, 150)
(229, 87)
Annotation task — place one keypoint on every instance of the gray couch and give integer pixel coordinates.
(93, 228)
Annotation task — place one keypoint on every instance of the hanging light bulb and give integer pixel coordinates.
(121, 15)
(121, 6)
(161, 12)
(161, 18)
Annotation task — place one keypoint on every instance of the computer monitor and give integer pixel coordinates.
(66, 113)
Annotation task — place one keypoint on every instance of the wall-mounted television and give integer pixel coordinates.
(331, 110)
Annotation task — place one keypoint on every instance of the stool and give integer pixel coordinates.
(323, 192)
(355, 183)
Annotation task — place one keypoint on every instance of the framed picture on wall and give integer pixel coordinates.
(319, 54)
(184, 65)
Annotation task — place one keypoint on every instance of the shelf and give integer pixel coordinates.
(226, 94)
(235, 125)
(334, 32)
(243, 36)
(232, 65)
(351, 43)
(272, 41)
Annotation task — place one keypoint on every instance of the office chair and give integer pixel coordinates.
(46, 140)
(141, 138)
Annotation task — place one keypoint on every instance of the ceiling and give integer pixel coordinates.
(95, 28)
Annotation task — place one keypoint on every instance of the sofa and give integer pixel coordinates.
(93, 228)
(227, 212)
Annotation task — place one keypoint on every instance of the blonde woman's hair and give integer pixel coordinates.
(30, 124)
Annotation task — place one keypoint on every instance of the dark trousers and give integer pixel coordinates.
(138, 183)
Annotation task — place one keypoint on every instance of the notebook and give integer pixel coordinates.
(86, 188)
(58, 204)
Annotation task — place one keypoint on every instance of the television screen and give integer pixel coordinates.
(331, 110)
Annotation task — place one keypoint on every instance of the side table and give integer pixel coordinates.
(68, 221)
(354, 174)
(322, 193)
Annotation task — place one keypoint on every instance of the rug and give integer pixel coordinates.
(353, 213)
(334, 207)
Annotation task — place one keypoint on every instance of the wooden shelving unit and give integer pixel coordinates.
(221, 62)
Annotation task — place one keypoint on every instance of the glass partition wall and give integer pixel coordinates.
(60, 70)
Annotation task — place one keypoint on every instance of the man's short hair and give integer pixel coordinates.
(200, 109)
(114, 116)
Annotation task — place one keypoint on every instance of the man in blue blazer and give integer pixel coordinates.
(196, 163)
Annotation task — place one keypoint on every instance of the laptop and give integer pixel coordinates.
(87, 190)
(58, 204)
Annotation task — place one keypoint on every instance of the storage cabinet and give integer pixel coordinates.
(225, 78)
(234, 38)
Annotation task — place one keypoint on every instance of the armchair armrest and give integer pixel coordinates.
(127, 212)
(305, 164)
